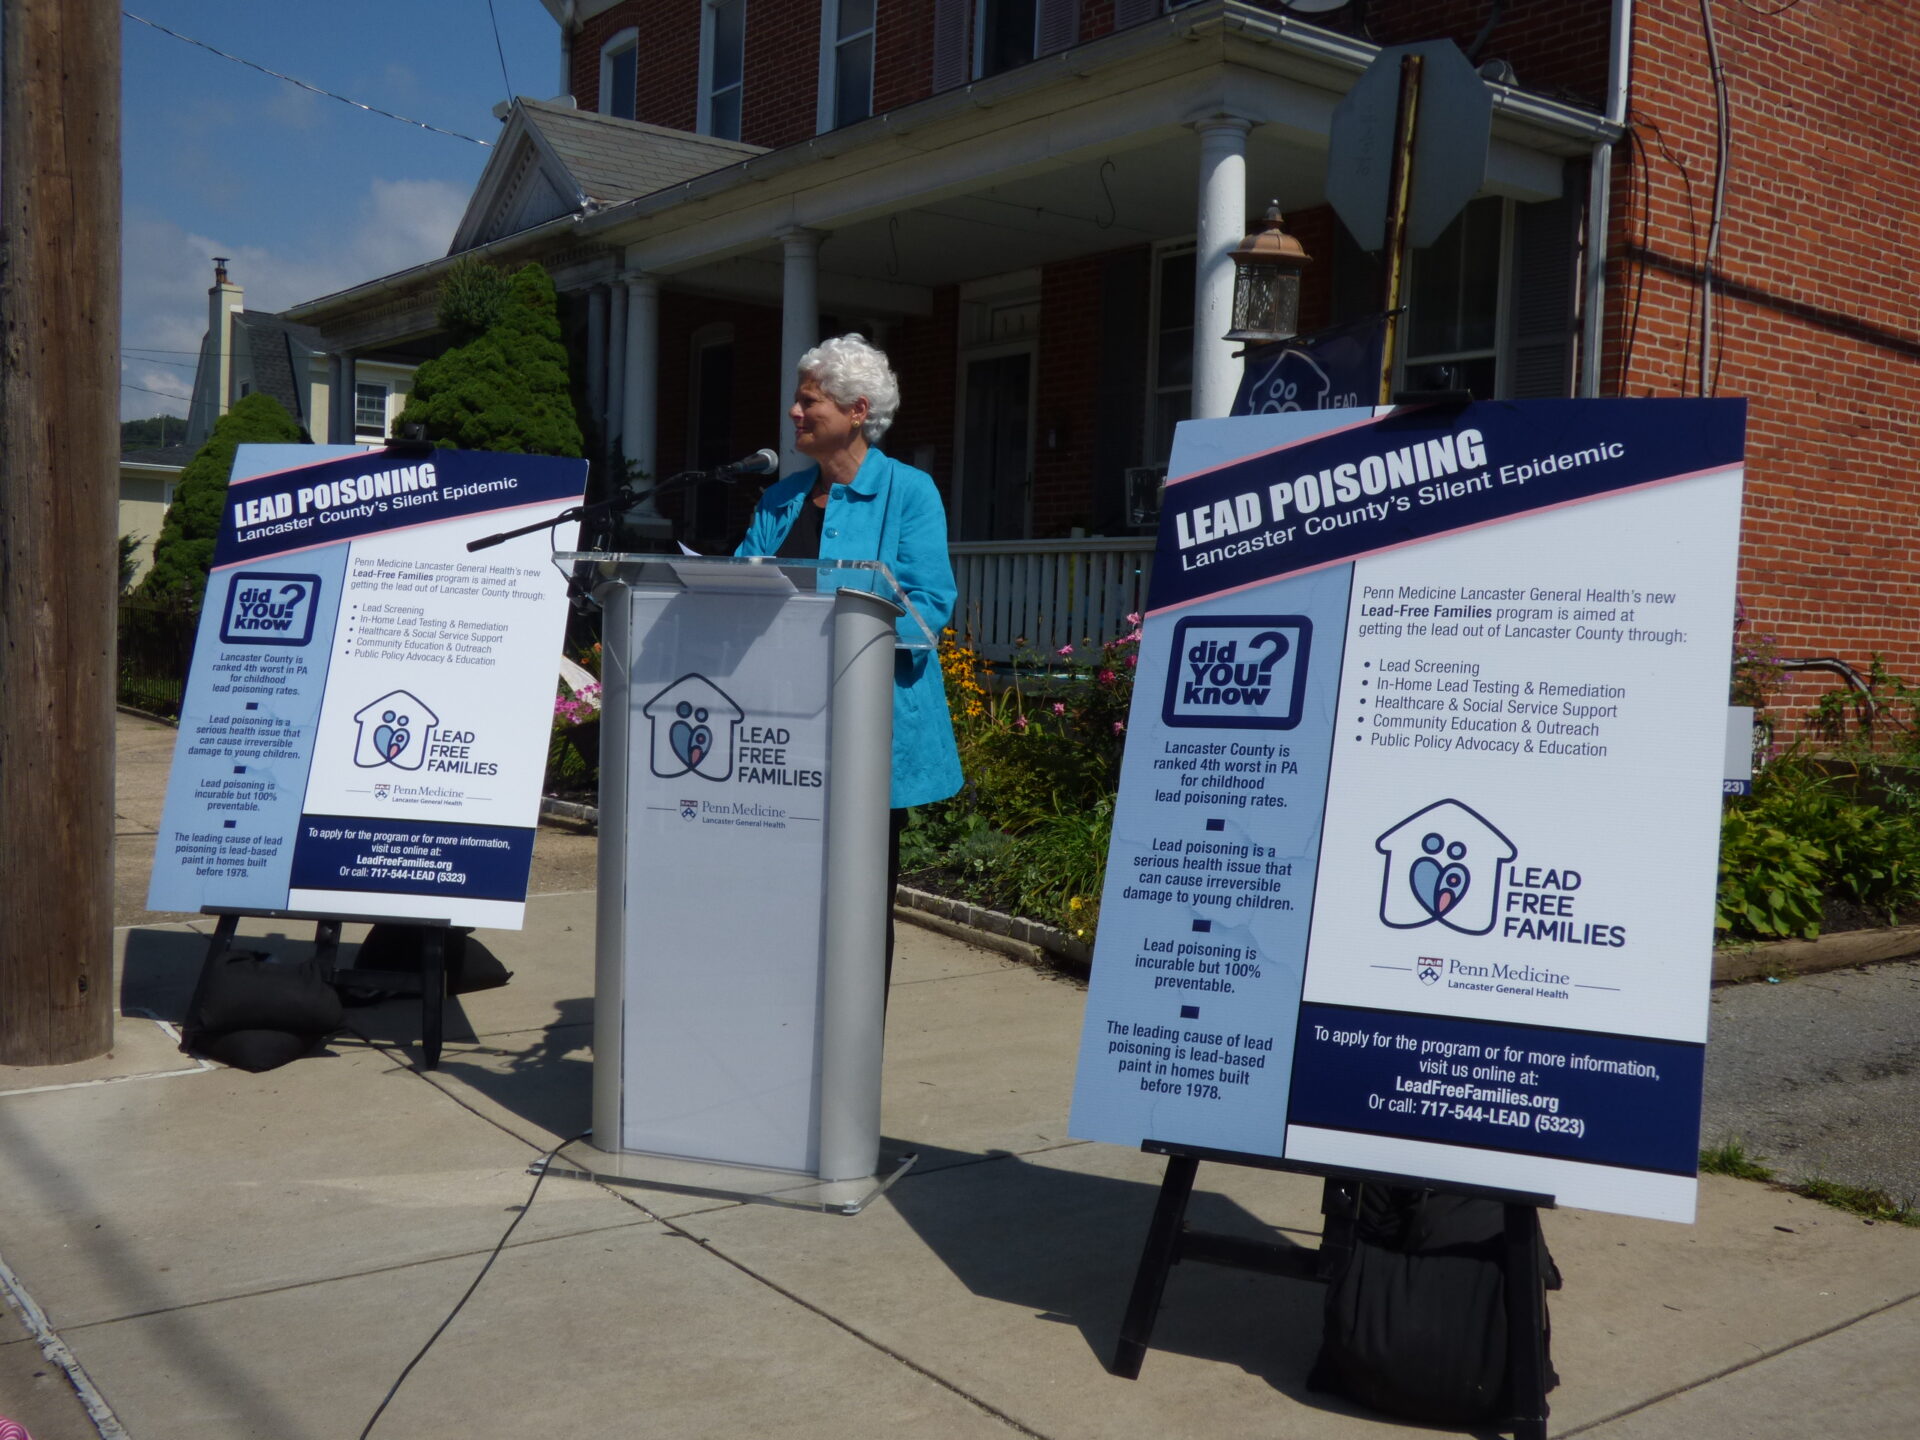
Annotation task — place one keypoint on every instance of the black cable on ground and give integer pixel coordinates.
(545, 1164)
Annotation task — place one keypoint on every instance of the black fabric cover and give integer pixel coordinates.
(470, 965)
(1416, 1313)
(248, 997)
(256, 1050)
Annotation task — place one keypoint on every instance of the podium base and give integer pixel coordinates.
(712, 1180)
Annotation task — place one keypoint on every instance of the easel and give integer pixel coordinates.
(430, 984)
(1169, 1242)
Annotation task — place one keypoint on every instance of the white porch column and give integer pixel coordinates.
(640, 427)
(1220, 221)
(597, 355)
(616, 364)
(799, 327)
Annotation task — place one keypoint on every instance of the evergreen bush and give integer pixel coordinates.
(506, 389)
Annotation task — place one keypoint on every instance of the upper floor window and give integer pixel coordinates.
(973, 39)
(723, 64)
(620, 75)
(1005, 35)
(370, 408)
(846, 62)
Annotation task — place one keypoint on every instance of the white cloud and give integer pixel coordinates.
(167, 270)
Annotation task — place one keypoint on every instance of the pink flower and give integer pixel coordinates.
(1133, 659)
(1058, 708)
(1019, 722)
(1064, 650)
(1107, 677)
(1119, 727)
(1134, 619)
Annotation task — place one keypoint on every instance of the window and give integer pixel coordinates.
(370, 408)
(723, 46)
(620, 75)
(846, 62)
(1453, 305)
(1170, 357)
(1006, 35)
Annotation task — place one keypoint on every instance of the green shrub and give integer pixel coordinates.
(1769, 880)
(506, 389)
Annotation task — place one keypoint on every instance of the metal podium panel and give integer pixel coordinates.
(726, 750)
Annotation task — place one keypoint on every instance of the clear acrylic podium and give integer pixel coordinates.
(745, 762)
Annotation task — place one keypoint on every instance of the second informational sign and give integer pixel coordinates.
(365, 728)
(1414, 860)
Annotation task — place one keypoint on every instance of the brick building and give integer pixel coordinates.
(1030, 204)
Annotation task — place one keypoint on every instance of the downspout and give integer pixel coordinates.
(1599, 194)
(566, 49)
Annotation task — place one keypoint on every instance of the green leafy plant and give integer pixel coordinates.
(1730, 1157)
(1769, 880)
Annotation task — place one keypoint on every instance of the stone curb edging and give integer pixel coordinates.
(569, 810)
(1010, 934)
(1774, 958)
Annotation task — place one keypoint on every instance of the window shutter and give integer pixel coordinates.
(1133, 12)
(952, 43)
(1545, 248)
(1059, 27)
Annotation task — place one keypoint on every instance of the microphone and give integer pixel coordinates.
(761, 462)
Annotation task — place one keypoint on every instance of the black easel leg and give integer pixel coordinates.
(433, 993)
(326, 946)
(1526, 1324)
(1163, 1237)
(218, 944)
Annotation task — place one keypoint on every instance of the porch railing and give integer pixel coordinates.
(1041, 594)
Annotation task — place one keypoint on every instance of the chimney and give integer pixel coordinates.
(224, 300)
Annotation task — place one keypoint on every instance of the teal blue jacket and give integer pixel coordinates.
(890, 512)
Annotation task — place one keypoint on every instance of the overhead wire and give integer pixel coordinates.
(500, 50)
(317, 90)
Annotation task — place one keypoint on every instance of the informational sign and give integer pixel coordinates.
(365, 728)
(726, 806)
(1414, 860)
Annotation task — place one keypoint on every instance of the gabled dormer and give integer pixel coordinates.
(553, 159)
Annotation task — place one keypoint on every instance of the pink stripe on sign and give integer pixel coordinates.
(13, 1430)
(1359, 555)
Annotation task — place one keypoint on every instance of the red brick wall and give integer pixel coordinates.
(1066, 396)
(1815, 320)
(1556, 47)
(923, 353)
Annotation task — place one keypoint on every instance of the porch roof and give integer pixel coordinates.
(1083, 151)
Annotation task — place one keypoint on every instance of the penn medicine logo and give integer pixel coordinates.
(1444, 864)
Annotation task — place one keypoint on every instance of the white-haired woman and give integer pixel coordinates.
(857, 503)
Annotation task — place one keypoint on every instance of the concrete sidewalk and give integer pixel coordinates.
(230, 1255)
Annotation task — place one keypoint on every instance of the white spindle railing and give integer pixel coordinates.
(1038, 595)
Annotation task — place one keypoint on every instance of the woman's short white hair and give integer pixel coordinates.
(847, 368)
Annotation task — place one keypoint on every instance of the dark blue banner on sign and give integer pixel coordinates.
(365, 494)
(412, 857)
(1526, 1089)
(1327, 370)
(1420, 473)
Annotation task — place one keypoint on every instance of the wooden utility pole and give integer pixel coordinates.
(59, 482)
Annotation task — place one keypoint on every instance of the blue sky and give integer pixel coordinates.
(305, 194)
